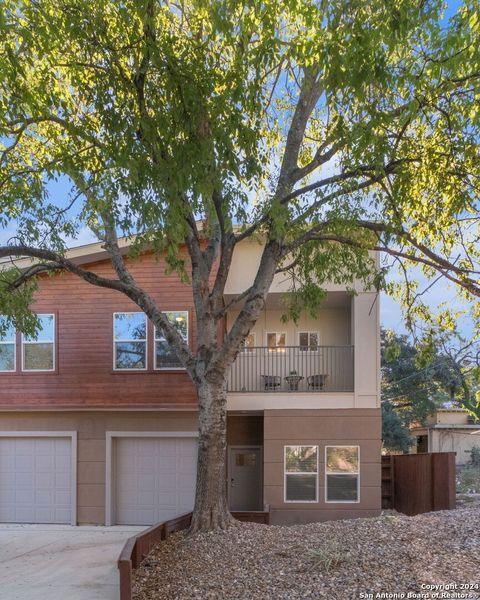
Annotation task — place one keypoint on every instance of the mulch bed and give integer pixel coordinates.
(336, 560)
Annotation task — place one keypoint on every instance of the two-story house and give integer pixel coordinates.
(98, 421)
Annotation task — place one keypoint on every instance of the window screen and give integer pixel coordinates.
(7, 345)
(301, 473)
(38, 352)
(342, 472)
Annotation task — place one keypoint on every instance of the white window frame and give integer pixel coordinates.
(249, 350)
(145, 341)
(308, 348)
(53, 342)
(276, 348)
(342, 473)
(285, 473)
(10, 343)
(155, 340)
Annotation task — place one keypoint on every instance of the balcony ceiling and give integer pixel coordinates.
(275, 301)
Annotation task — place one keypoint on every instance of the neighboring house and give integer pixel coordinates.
(447, 430)
(99, 421)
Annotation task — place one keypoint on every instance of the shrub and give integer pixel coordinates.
(329, 557)
(474, 456)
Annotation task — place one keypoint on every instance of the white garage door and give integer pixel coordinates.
(35, 480)
(154, 479)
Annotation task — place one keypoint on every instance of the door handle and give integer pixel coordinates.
(231, 482)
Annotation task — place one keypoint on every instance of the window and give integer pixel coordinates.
(7, 346)
(342, 472)
(166, 357)
(301, 473)
(248, 345)
(308, 341)
(245, 459)
(130, 340)
(38, 353)
(276, 341)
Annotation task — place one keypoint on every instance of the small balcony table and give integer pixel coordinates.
(293, 382)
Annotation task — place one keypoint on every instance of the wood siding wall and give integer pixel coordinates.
(84, 375)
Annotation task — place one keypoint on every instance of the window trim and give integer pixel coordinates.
(13, 343)
(308, 348)
(53, 342)
(145, 341)
(334, 473)
(285, 473)
(155, 340)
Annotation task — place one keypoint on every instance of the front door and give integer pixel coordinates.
(245, 478)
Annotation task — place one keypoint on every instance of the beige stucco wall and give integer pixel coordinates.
(332, 324)
(322, 427)
(246, 260)
(450, 417)
(451, 440)
(366, 339)
(91, 450)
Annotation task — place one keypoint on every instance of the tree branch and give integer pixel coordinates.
(56, 261)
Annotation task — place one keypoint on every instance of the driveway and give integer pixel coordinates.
(60, 562)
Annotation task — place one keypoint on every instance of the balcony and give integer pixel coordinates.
(292, 369)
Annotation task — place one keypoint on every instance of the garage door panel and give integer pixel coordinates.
(146, 481)
(44, 463)
(153, 478)
(35, 480)
(46, 497)
(24, 446)
(63, 498)
(62, 463)
(145, 498)
(62, 515)
(167, 499)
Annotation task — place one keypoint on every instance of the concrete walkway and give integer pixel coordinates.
(60, 562)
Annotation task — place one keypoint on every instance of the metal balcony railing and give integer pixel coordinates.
(293, 369)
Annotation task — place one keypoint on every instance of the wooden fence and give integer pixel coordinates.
(419, 483)
(137, 547)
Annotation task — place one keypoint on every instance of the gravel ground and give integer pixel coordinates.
(336, 560)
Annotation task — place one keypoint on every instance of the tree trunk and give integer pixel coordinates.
(211, 506)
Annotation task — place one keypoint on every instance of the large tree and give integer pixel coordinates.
(327, 129)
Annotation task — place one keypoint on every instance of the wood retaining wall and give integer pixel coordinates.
(137, 547)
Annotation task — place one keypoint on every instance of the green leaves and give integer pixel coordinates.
(15, 304)
(159, 106)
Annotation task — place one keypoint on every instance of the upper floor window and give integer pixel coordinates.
(248, 344)
(130, 340)
(38, 352)
(276, 341)
(7, 346)
(166, 357)
(342, 473)
(308, 341)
